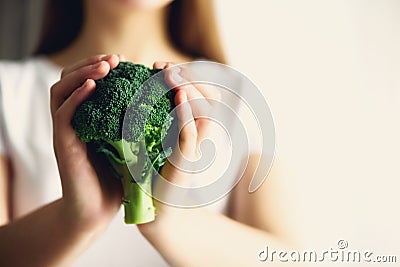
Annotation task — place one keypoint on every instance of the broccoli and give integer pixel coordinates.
(127, 119)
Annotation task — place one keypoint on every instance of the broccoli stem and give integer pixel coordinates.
(138, 202)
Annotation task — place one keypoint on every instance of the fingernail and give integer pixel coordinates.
(158, 65)
(85, 84)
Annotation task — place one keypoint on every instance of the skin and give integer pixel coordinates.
(56, 234)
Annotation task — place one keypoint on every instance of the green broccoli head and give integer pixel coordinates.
(123, 92)
(127, 110)
(101, 116)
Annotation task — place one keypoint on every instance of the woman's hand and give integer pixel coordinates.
(193, 102)
(92, 201)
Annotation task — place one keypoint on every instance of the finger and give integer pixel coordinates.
(63, 88)
(68, 148)
(159, 65)
(64, 115)
(121, 57)
(112, 60)
(206, 90)
(175, 79)
(199, 105)
(187, 125)
(163, 64)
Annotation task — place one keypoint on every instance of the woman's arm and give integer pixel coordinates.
(48, 236)
(199, 237)
(4, 190)
(265, 209)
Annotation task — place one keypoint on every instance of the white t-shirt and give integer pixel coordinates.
(26, 139)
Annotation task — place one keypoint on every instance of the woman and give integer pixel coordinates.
(41, 226)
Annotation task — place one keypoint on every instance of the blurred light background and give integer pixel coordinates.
(330, 70)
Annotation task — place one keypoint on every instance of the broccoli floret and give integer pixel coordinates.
(125, 114)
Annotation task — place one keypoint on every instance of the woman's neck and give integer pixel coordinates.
(142, 37)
